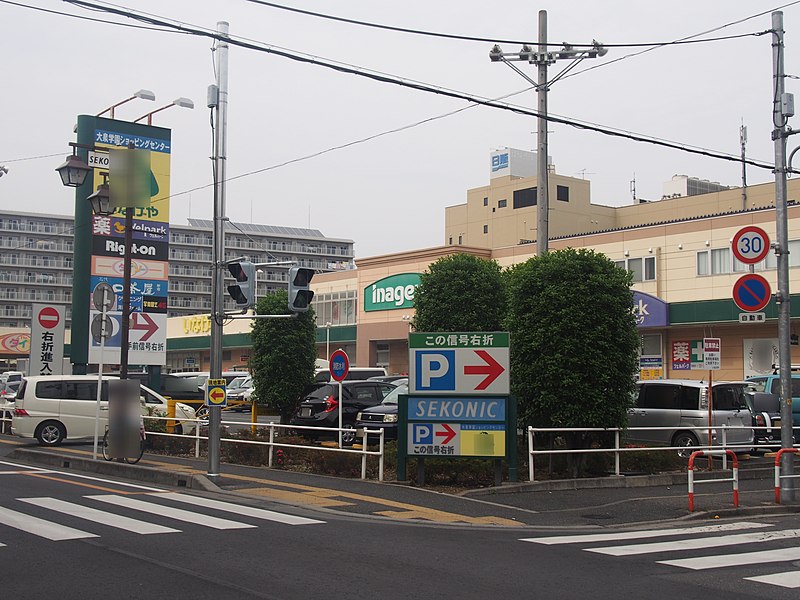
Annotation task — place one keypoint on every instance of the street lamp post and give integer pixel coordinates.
(182, 102)
(328, 340)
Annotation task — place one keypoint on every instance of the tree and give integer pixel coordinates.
(461, 292)
(574, 343)
(284, 351)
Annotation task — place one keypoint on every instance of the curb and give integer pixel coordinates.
(613, 481)
(115, 469)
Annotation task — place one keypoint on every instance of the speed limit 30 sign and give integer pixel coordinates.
(750, 245)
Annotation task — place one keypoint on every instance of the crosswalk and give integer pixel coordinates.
(165, 507)
(746, 543)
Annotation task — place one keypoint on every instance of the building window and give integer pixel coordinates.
(485, 229)
(450, 242)
(526, 197)
(460, 240)
(486, 201)
(502, 203)
(642, 269)
(382, 354)
(562, 193)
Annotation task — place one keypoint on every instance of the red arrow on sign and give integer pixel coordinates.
(149, 326)
(216, 394)
(492, 369)
(448, 434)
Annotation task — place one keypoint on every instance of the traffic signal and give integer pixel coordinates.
(299, 294)
(244, 292)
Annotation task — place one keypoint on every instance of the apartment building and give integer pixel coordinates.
(36, 261)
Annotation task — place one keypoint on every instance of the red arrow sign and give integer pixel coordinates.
(492, 369)
(216, 394)
(448, 434)
(149, 326)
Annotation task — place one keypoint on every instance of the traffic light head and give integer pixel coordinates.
(299, 294)
(244, 292)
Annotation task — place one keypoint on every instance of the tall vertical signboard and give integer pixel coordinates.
(149, 250)
(47, 340)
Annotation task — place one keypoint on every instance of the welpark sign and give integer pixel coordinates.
(390, 293)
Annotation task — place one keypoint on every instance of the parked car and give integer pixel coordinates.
(383, 416)
(56, 408)
(766, 411)
(680, 409)
(240, 392)
(9, 376)
(354, 373)
(8, 392)
(393, 379)
(772, 384)
(320, 406)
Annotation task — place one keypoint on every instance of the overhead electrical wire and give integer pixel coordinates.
(418, 86)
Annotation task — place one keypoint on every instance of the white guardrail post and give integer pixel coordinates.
(197, 438)
(271, 442)
(380, 458)
(530, 454)
(616, 452)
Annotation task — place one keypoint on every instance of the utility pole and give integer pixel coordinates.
(218, 100)
(542, 59)
(782, 109)
(743, 144)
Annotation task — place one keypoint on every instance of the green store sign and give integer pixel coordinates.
(391, 293)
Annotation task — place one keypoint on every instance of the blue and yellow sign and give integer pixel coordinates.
(216, 394)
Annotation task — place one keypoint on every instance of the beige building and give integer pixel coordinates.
(678, 249)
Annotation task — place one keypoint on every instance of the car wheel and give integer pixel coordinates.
(686, 441)
(348, 435)
(51, 433)
(202, 413)
(178, 429)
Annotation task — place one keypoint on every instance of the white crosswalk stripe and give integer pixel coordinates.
(40, 527)
(238, 509)
(99, 516)
(684, 541)
(157, 505)
(173, 513)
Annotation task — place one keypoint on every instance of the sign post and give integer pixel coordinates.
(103, 299)
(339, 368)
(712, 350)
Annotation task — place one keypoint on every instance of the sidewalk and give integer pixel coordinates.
(581, 503)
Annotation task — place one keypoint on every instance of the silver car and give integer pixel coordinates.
(680, 409)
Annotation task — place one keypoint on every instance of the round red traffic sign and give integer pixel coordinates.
(48, 317)
(339, 365)
(750, 245)
(751, 292)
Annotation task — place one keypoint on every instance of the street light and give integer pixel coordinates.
(74, 170)
(143, 94)
(328, 340)
(182, 102)
(542, 59)
(100, 200)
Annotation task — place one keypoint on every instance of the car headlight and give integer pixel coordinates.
(358, 416)
(390, 418)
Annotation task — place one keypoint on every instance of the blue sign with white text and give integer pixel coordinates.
(457, 409)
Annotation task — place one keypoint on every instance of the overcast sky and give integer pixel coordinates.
(389, 194)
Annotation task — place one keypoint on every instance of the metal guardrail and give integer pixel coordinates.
(734, 478)
(273, 443)
(618, 449)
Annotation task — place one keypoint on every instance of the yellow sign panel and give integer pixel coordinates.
(647, 374)
(483, 443)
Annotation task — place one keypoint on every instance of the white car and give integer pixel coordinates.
(57, 408)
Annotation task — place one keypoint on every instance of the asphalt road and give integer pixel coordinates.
(204, 545)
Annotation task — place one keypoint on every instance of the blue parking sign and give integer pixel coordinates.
(435, 370)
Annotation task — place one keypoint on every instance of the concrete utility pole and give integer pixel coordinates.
(218, 99)
(542, 59)
(782, 109)
(743, 144)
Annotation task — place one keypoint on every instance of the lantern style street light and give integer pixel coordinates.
(74, 170)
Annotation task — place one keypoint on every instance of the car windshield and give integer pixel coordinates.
(391, 397)
(237, 383)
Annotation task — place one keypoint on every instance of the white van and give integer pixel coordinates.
(55, 408)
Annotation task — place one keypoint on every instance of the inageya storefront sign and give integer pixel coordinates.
(390, 293)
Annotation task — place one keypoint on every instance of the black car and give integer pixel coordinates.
(320, 405)
(383, 416)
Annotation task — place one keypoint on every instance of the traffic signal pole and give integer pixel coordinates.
(218, 100)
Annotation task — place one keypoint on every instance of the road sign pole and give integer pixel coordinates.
(103, 333)
(341, 410)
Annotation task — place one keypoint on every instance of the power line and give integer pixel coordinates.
(422, 87)
(474, 38)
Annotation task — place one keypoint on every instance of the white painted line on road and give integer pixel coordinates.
(735, 560)
(99, 516)
(173, 513)
(78, 476)
(790, 579)
(633, 535)
(697, 543)
(24, 472)
(40, 527)
(238, 509)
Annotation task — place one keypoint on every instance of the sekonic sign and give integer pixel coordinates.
(390, 293)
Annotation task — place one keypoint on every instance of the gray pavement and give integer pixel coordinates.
(581, 503)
